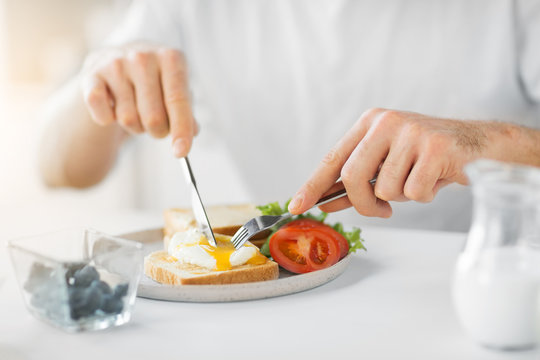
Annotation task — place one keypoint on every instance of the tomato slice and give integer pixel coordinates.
(307, 224)
(301, 250)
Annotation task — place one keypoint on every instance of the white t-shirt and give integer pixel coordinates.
(276, 83)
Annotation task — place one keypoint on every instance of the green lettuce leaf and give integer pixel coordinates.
(274, 208)
(265, 249)
(353, 237)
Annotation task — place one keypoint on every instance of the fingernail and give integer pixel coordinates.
(296, 202)
(180, 147)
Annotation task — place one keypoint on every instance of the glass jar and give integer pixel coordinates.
(496, 280)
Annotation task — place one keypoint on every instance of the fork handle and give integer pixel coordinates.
(337, 195)
(331, 197)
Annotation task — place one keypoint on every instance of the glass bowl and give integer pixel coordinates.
(77, 279)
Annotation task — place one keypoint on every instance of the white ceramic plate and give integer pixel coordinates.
(288, 283)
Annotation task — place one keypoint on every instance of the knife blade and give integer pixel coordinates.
(196, 203)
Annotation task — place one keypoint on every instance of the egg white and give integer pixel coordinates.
(185, 247)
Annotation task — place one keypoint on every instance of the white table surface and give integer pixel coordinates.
(393, 302)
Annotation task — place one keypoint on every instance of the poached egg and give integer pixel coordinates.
(192, 247)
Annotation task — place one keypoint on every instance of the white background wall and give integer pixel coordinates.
(42, 44)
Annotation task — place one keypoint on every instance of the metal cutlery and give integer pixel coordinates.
(196, 203)
(264, 222)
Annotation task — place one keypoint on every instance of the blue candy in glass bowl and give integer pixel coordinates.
(78, 279)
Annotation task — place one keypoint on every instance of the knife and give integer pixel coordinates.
(196, 203)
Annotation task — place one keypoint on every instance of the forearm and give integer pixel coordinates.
(74, 150)
(512, 143)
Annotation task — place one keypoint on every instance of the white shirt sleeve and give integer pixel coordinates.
(155, 21)
(528, 45)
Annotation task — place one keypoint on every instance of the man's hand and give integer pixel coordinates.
(142, 88)
(411, 155)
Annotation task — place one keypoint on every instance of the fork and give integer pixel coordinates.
(264, 222)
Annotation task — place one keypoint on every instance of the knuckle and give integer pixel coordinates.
(116, 66)
(386, 193)
(154, 122)
(157, 125)
(347, 174)
(372, 112)
(181, 77)
(391, 114)
(155, 119)
(412, 129)
(416, 192)
(369, 114)
(159, 133)
(436, 144)
(411, 192)
(309, 187)
(388, 119)
(172, 55)
(95, 97)
(176, 97)
(129, 121)
(389, 170)
(332, 157)
(141, 58)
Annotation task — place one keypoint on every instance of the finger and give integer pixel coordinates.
(98, 100)
(439, 185)
(330, 167)
(336, 205)
(362, 166)
(177, 100)
(394, 172)
(197, 128)
(144, 72)
(124, 98)
(421, 185)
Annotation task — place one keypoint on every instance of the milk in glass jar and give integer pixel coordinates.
(497, 276)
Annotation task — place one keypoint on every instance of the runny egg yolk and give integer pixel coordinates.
(223, 251)
(258, 259)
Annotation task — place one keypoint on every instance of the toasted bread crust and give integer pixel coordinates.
(159, 266)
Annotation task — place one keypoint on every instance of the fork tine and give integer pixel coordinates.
(239, 236)
(241, 242)
(240, 232)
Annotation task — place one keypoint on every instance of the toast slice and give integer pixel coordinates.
(225, 220)
(164, 269)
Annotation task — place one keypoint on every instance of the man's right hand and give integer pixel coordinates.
(142, 88)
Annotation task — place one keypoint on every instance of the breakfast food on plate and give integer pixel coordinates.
(305, 243)
(225, 220)
(302, 244)
(190, 259)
